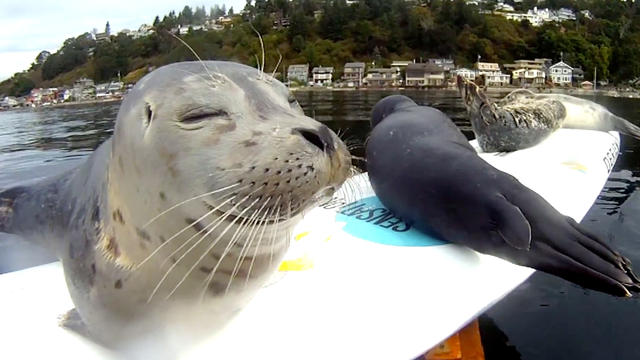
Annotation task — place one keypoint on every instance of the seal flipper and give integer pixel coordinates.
(562, 247)
(511, 225)
(625, 127)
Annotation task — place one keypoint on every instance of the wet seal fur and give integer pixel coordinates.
(171, 226)
(523, 118)
(423, 169)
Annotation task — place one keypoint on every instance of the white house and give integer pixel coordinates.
(382, 77)
(468, 74)
(424, 74)
(528, 76)
(492, 74)
(322, 76)
(446, 64)
(560, 73)
(9, 102)
(353, 74)
(298, 72)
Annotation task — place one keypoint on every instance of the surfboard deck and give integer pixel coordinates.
(357, 282)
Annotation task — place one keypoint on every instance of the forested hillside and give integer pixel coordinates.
(332, 32)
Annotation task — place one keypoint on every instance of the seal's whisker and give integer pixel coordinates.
(188, 200)
(196, 55)
(257, 61)
(261, 47)
(210, 226)
(247, 245)
(250, 225)
(230, 244)
(255, 252)
(226, 214)
(275, 227)
(205, 253)
(161, 246)
(273, 74)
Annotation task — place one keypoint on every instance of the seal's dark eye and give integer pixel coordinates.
(292, 100)
(192, 118)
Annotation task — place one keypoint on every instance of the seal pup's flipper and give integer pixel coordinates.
(588, 115)
(421, 172)
(562, 247)
(510, 224)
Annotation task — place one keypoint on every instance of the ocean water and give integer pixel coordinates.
(544, 318)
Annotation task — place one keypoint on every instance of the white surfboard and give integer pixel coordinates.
(357, 282)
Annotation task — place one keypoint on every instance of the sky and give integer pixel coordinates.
(32, 26)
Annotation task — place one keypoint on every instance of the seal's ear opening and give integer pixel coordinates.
(387, 106)
(148, 114)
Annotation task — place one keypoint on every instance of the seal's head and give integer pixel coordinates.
(229, 151)
(388, 105)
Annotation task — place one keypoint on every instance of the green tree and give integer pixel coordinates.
(200, 15)
(21, 85)
(185, 17)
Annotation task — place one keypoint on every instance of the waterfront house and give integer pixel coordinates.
(499, 79)
(424, 74)
(9, 102)
(401, 64)
(561, 73)
(102, 90)
(35, 97)
(525, 77)
(486, 68)
(115, 88)
(299, 73)
(446, 64)
(466, 73)
(83, 89)
(492, 74)
(353, 74)
(63, 95)
(322, 75)
(538, 64)
(382, 77)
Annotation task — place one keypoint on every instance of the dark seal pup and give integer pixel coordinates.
(423, 169)
(523, 119)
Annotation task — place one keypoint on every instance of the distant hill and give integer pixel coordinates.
(333, 32)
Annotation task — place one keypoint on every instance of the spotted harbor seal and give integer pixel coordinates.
(424, 170)
(171, 225)
(523, 118)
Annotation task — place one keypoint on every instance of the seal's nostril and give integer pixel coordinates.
(314, 138)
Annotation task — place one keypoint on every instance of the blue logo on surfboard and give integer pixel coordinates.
(368, 219)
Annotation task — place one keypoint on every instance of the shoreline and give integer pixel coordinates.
(496, 91)
(490, 90)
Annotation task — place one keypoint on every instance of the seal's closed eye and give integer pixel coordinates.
(195, 117)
